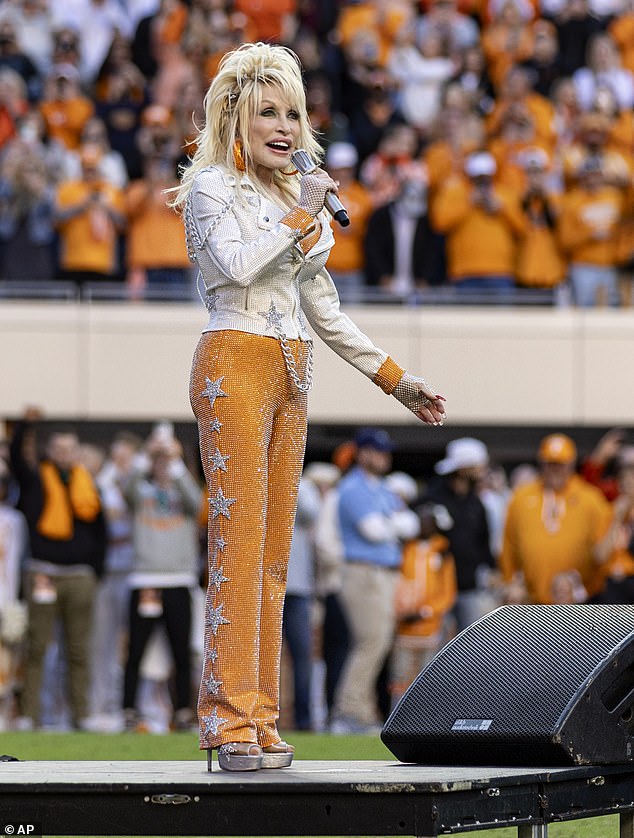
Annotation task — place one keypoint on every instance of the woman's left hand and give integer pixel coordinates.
(419, 397)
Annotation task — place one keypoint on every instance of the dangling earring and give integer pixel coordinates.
(238, 156)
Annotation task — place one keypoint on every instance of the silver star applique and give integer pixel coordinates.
(215, 618)
(215, 424)
(211, 298)
(212, 684)
(216, 578)
(273, 317)
(213, 390)
(218, 544)
(212, 723)
(219, 505)
(213, 655)
(217, 461)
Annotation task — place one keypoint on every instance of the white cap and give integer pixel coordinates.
(479, 164)
(403, 485)
(341, 156)
(322, 474)
(65, 71)
(465, 452)
(533, 158)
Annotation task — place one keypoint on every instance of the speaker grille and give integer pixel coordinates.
(519, 670)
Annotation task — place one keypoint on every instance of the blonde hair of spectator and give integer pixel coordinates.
(231, 104)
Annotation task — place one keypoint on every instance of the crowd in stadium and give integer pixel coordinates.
(483, 146)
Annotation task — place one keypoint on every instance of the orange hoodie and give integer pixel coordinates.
(478, 243)
(589, 225)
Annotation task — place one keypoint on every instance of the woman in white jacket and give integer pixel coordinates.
(261, 238)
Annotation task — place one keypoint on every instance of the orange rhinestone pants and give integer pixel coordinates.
(252, 430)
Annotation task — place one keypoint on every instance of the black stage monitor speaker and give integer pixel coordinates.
(525, 685)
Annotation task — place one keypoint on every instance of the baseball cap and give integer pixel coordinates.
(465, 452)
(480, 164)
(557, 448)
(533, 158)
(375, 438)
(341, 156)
(65, 71)
(403, 485)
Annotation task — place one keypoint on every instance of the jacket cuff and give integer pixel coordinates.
(388, 376)
(300, 222)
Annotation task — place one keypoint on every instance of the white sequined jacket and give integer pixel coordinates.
(257, 278)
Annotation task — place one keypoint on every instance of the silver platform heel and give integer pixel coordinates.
(278, 755)
(239, 756)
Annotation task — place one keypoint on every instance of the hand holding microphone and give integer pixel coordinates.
(316, 192)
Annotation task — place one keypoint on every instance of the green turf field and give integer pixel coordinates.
(91, 746)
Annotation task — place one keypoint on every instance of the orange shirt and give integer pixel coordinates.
(427, 580)
(503, 48)
(589, 225)
(347, 252)
(88, 241)
(7, 126)
(478, 243)
(66, 119)
(622, 31)
(540, 262)
(548, 533)
(171, 26)
(621, 136)
(156, 237)
(266, 16)
(366, 16)
(442, 162)
(620, 562)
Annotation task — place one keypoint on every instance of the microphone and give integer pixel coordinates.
(305, 164)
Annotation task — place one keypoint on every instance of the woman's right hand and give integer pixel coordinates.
(313, 190)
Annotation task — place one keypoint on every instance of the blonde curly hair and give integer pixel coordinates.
(232, 102)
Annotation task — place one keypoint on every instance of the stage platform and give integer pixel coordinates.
(310, 798)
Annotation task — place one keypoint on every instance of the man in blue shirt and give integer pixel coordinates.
(373, 522)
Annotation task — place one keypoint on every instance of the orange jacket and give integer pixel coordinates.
(443, 162)
(66, 119)
(540, 262)
(266, 16)
(347, 252)
(427, 580)
(503, 48)
(88, 241)
(622, 31)
(589, 225)
(478, 243)
(386, 22)
(542, 546)
(156, 237)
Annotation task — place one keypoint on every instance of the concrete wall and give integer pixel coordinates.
(495, 365)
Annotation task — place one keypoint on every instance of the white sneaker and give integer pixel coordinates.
(346, 726)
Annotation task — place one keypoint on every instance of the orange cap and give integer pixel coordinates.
(557, 448)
